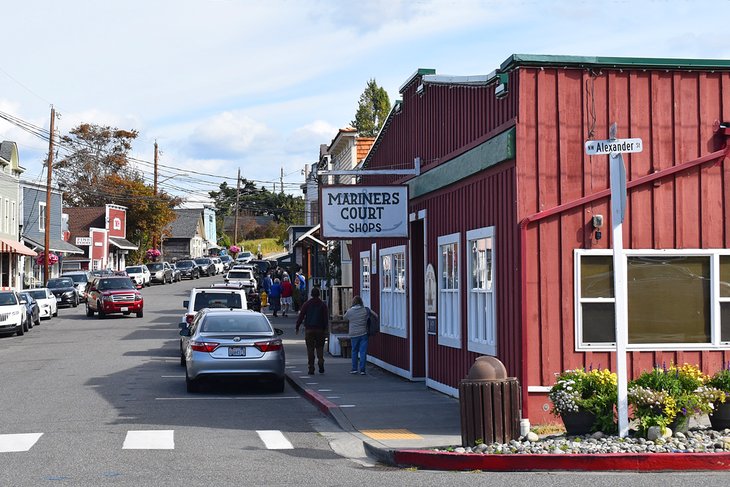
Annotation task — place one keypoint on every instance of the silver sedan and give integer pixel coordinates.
(233, 343)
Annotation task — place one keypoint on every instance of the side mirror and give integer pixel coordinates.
(186, 303)
(23, 301)
(278, 331)
(185, 332)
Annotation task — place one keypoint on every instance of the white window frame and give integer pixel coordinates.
(41, 217)
(449, 300)
(393, 302)
(365, 278)
(481, 303)
(13, 218)
(7, 215)
(715, 319)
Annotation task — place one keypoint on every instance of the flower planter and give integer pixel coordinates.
(680, 424)
(578, 423)
(720, 417)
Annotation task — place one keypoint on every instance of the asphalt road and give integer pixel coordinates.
(76, 391)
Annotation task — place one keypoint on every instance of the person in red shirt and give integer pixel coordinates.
(287, 290)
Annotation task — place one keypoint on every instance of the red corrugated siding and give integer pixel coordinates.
(673, 113)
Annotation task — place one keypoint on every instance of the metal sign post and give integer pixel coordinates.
(614, 147)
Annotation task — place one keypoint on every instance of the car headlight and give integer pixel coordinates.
(137, 297)
(107, 298)
(69, 294)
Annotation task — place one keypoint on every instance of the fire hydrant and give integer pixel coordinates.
(264, 299)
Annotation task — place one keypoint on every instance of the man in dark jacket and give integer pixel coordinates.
(315, 316)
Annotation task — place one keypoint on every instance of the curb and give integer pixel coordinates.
(639, 462)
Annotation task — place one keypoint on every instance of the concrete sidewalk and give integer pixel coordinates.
(388, 411)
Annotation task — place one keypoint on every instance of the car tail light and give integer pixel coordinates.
(189, 318)
(270, 346)
(203, 346)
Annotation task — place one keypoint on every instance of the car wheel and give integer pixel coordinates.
(140, 313)
(277, 385)
(76, 302)
(100, 310)
(28, 323)
(20, 331)
(55, 313)
(190, 384)
(89, 311)
(182, 359)
(38, 321)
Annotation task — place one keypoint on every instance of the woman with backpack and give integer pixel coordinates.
(357, 316)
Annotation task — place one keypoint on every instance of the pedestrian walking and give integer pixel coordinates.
(296, 294)
(286, 295)
(315, 317)
(357, 316)
(275, 297)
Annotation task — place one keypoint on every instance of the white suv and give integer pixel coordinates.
(219, 267)
(139, 274)
(214, 297)
(12, 312)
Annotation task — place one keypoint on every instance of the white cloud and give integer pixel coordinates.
(229, 135)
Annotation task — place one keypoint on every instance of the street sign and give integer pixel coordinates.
(612, 146)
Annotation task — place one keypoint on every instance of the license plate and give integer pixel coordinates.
(58, 300)
(236, 351)
(124, 308)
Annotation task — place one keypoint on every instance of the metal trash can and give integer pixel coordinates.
(490, 404)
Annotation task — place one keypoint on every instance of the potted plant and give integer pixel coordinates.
(669, 397)
(52, 258)
(234, 249)
(720, 415)
(585, 400)
(152, 254)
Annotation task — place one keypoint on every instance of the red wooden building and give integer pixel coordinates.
(503, 212)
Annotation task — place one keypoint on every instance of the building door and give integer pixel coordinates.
(365, 278)
(418, 320)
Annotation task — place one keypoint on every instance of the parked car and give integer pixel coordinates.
(12, 313)
(102, 273)
(261, 267)
(227, 261)
(160, 272)
(114, 294)
(233, 343)
(244, 276)
(140, 275)
(32, 310)
(46, 301)
(80, 278)
(227, 297)
(253, 298)
(244, 257)
(176, 273)
(219, 267)
(188, 268)
(205, 266)
(65, 291)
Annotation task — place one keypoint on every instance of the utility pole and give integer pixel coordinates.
(154, 237)
(47, 227)
(281, 180)
(238, 193)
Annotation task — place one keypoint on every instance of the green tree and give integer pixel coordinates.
(285, 208)
(372, 110)
(93, 154)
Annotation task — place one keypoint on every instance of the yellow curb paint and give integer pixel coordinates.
(401, 434)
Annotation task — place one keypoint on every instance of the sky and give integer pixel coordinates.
(224, 85)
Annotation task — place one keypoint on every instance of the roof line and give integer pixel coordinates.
(516, 60)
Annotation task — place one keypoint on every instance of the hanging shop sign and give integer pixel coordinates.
(364, 211)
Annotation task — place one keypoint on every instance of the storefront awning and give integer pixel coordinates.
(55, 245)
(8, 246)
(122, 243)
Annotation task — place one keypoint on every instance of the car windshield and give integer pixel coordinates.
(235, 323)
(112, 284)
(60, 282)
(38, 294)
(185, 264)
(226, 258)
(202, 261)
(78, 278)
(217, 300)
(134, 270)
(7, 299)
(239, 275)
(154, 267)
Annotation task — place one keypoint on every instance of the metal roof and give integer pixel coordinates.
(517, 60)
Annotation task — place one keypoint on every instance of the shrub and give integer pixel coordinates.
(594, 391)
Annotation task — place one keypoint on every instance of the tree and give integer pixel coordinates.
(94, 154)
(285, 208)
(372, 110)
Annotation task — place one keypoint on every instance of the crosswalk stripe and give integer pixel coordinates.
(149, 440)
(274, 440)
(18, 442)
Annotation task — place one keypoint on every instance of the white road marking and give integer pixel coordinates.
(274, 440)
(150, 440)
(172, 376)
(324, 390)
(18, 442)
(347, 405)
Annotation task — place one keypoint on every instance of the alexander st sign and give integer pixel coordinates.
(605, 147)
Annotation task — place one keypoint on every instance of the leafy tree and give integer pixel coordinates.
(94, 154)
(285, 208)
(372, 110)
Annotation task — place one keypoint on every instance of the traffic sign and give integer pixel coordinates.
(612, 146)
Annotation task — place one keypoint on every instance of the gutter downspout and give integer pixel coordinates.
(720, 154)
